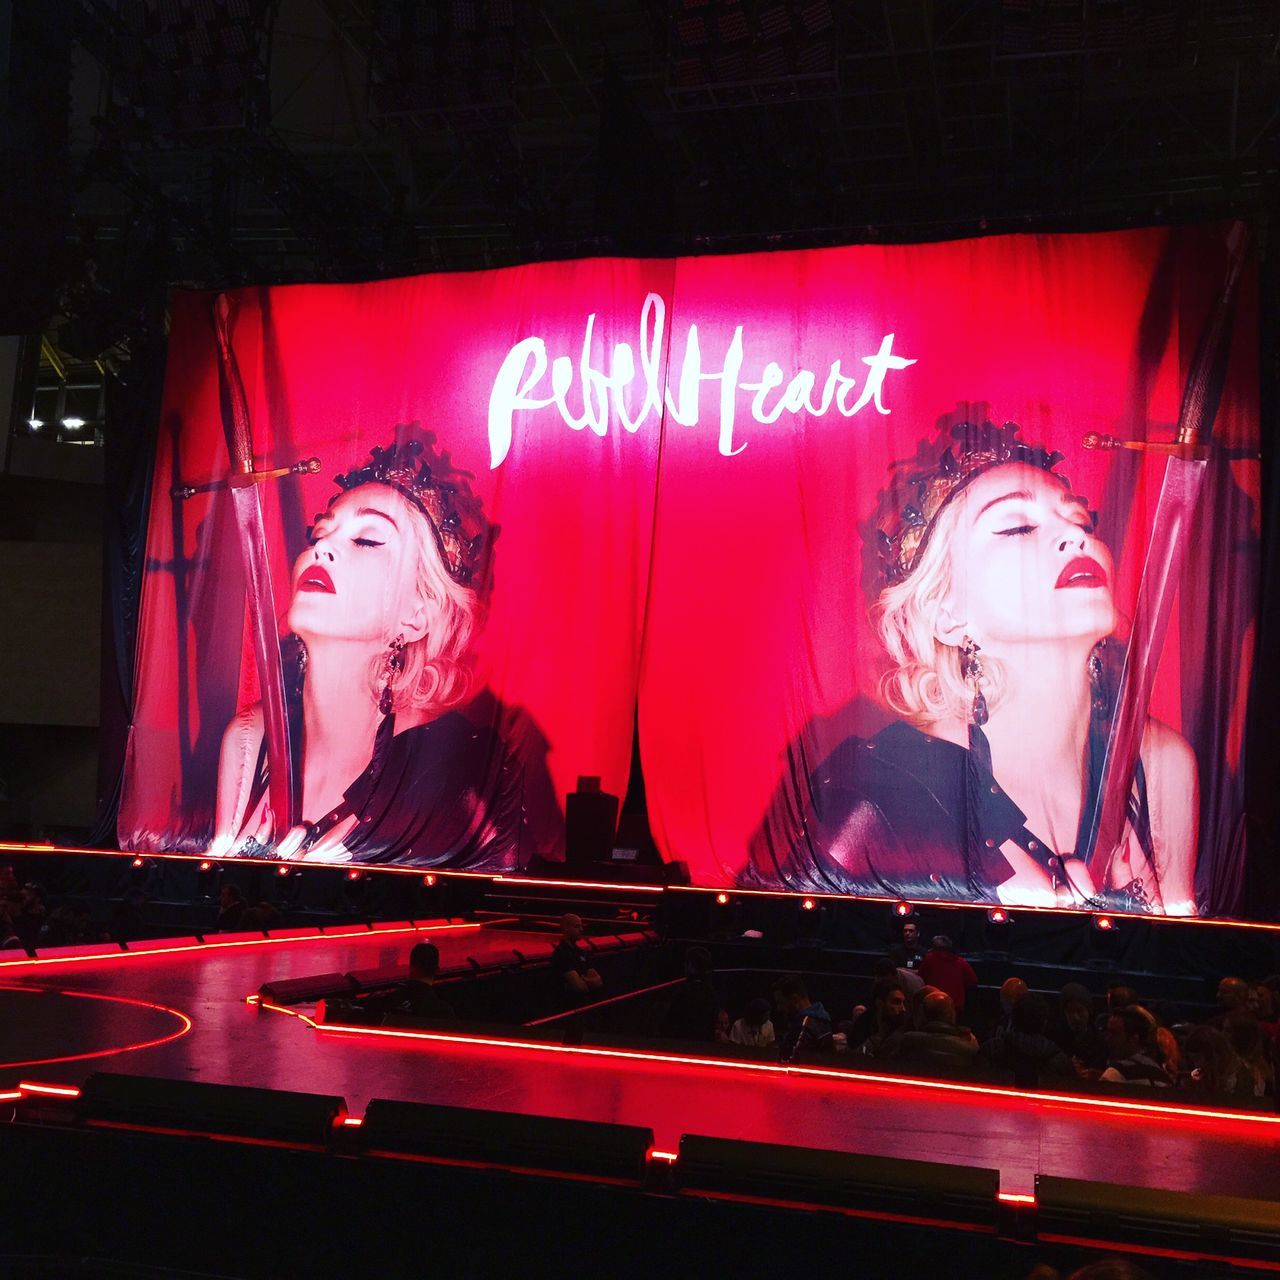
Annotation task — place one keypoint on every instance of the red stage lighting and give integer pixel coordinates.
(808, 904)
(997, 915)
(902, 909)
(282, 871)
(1104, 924)
(206, 866)
(138, 862)
(429, 880)
(354, 875)
(722, 899)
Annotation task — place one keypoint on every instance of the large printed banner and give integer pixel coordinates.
(868, 536)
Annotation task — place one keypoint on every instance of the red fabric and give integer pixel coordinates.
(950, 973)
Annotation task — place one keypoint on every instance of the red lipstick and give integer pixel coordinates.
(316, 578)
(1082, 571)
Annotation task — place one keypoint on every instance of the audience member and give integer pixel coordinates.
(911, 943)
(569, 964)
(1024, 1048)
(805, 1023)
(1262, 1004)
(1246, 1038)
(1129, 1037)
(755, 1027)
(418, 996)
(1233, 993)
(1214, 1067)
(1074, 1032)
(695, 1006)
(939, 1041)
(1011, 991)
(949, 972)
(890, 1020)
(900, 966)
(231, 909)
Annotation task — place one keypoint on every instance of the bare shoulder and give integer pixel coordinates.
(1168, 755)
(245, 726)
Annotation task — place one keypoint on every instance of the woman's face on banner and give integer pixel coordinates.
(357, 580)
(1025, 564)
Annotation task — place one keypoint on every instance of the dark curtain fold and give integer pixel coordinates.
(133, 415)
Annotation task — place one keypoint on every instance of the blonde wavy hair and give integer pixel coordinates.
(436, 670)
(925, 683)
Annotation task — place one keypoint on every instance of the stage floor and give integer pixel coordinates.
(231, 1041)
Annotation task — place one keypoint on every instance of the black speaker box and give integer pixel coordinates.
(231, 1109)
(1180, 1220)
(586, 1147)
(881, 1184)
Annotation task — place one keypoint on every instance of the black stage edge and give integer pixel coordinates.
(154, 896)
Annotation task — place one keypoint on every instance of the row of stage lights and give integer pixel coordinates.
(139, 863)
(903, 909)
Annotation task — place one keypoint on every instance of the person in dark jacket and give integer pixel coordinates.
(1023, 1047)
(805, 1023)
(695, 1006)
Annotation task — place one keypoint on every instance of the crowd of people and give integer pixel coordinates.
(923, 1016)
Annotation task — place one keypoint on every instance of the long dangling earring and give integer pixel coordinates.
(298, 676)
(971, 671)
(1097, 681)
(392, 665)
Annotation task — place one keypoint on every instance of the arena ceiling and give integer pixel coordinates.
(220, 141)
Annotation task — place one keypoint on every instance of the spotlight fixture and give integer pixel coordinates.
(722, 899)
(206, 866)
(808, 905)
(139, 862)
(283, 870)
(73, 424)
(1104, 924)
(998, 915)
(354, 875)
(429, 880)
(903, 910)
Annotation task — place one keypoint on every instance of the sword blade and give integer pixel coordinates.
(247, 503)
(1166, 553)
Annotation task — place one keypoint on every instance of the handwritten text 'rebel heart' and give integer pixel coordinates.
(520, 385)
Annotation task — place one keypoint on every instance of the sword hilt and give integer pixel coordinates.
(1165, 448)
(243, 479)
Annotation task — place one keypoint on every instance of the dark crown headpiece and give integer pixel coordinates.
(903, 533)
(425, 477)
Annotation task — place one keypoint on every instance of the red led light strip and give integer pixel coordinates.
(102, 1053)
(1122, 1106)
(535, 881)
(48, 1090)
(98, 957)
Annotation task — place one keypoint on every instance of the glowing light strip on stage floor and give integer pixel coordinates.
(376, 931)
(103, 1053)
(1122, 1106)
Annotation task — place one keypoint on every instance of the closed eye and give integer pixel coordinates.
(1016, 532)
(367, 542)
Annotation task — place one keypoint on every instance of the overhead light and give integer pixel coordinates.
(808, 904)
(998, 915)
(1104, 924)
(35, 423)
(73, 424)
(903, 909)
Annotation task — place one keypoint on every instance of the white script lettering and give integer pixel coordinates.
(599, 396)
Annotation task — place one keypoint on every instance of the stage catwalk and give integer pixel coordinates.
(231, 1041)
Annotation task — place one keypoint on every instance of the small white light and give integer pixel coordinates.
(35, 423)
(73, 424)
